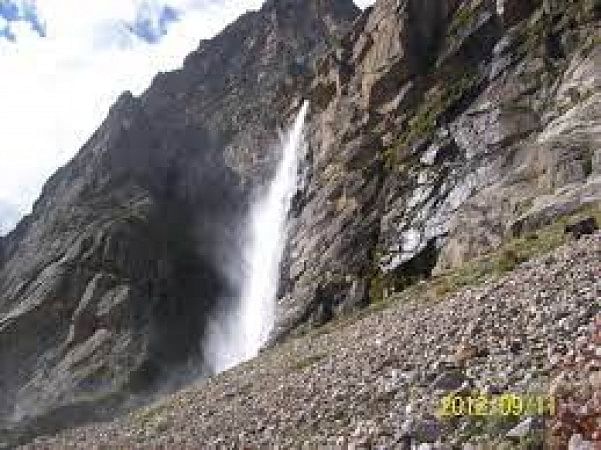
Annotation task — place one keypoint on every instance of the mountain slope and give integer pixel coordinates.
(379, 380)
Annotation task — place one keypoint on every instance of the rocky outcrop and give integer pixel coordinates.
(441, 130)
(105, 288)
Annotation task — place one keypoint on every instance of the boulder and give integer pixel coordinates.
(582, 227)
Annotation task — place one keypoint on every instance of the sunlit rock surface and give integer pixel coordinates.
(443, 129)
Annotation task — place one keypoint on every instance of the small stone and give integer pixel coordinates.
(578, 443)
(341, 441)
(595, 380)
(465, 352)
(407, 427)
(469, 446)
(582, 227)
(449, 381)
(428, 430)
(558, 385)
(522, 429)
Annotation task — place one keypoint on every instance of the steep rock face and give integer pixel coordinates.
(439, 130)
(105, 288)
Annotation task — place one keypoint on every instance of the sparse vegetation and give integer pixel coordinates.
(504, 259)
(463, 17)
(438, 100)
(153, 418)
(307, 362)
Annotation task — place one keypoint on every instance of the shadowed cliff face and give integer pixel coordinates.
(106, 286)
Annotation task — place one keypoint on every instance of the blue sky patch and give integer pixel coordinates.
(151, 24)
(9, 214)
(12, 11)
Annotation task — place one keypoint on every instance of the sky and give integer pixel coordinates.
(63, 63)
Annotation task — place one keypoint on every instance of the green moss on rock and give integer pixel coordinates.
(438, 101)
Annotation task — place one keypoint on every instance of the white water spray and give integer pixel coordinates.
(247, 328)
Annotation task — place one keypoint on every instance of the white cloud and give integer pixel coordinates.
(55, 91)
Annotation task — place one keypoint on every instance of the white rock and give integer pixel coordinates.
(522, 429)
(578, 443)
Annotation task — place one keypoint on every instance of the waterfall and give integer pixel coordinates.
(240, 335)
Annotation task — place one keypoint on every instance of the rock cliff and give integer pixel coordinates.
(106, 287)
(440, 130)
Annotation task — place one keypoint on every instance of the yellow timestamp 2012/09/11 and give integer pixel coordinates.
(508, 404)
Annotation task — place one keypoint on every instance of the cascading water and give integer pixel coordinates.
(239, 336)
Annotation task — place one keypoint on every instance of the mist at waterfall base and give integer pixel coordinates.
(238, 334)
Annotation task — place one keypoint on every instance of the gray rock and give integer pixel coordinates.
(596, 162)
(449, 381)
(427, 430)
(578, 443)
